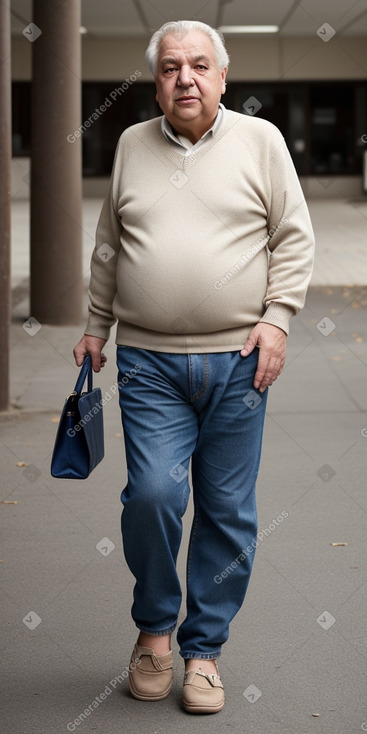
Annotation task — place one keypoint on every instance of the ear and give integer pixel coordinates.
(224, 76)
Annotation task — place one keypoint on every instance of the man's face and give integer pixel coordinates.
(189, 83)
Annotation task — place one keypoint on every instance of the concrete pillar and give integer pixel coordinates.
(5, 164)
(56, 169)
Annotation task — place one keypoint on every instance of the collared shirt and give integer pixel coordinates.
(187, 147)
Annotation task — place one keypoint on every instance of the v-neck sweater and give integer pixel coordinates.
(193, 250)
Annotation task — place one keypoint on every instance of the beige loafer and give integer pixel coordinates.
(202, 692)
(150, 675)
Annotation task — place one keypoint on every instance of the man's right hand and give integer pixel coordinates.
(92, 345)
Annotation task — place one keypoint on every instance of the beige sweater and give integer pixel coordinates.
(192, 251)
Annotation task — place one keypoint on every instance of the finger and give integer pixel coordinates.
(249, 345)
(266, 382)
(79, 354)
(96, 361)
(267, 370)
(262, 366)
(271, 373)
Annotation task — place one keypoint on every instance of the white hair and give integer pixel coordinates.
(181, 27)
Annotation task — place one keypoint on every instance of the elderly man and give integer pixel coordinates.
(204, 251)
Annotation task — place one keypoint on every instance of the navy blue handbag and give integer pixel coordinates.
(79, 444)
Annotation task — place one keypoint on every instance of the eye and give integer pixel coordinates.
(201, 67)
(170, 70)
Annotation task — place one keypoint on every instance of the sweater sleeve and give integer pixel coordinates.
(102, 285)
(291, 242)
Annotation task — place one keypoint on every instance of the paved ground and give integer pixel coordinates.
(298, 647)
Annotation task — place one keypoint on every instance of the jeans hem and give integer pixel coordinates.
(157, 633)
(200, 655)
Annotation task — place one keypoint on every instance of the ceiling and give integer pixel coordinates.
(137, 18)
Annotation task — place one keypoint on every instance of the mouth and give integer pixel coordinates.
(187, 98)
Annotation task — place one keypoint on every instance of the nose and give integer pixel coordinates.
(185, 77)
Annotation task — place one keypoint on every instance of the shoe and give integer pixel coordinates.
(150, 675)
(202, 692)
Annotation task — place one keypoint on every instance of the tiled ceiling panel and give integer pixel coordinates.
(133, 18)
(161, 12)
(111, 17)
(309, 15)
(237, 12)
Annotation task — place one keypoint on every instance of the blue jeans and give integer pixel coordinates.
(175, 407)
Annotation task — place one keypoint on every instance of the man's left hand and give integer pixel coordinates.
(272, 343)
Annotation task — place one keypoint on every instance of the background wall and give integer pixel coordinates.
(251, 58)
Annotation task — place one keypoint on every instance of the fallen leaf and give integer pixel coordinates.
(21, 463)
(1, 561)
(336, 544)
(355, 304)
(56, 419)
(118, 435)
(359, 339)
(9, 502)
(336, 359)
(315, 714)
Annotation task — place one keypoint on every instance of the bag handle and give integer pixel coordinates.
(85, 372)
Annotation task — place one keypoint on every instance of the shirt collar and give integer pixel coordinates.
(184, 142)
